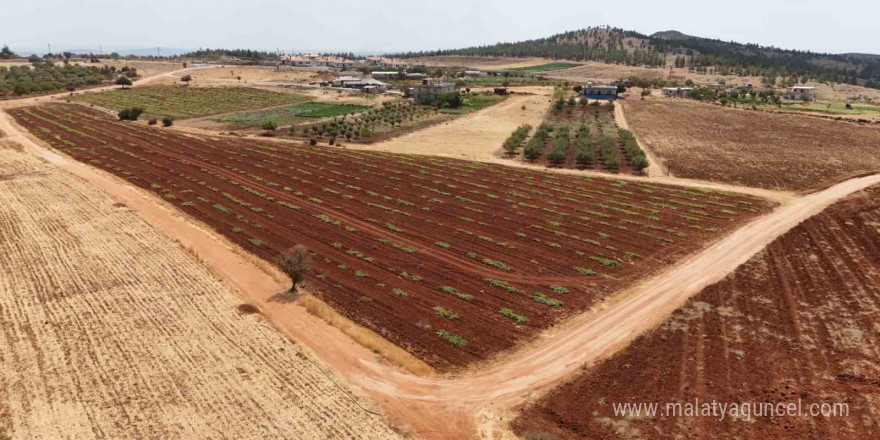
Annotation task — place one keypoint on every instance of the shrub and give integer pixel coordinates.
(167, 122)
(269, 125)
(313, 142)
(130, 114)
(152, 121)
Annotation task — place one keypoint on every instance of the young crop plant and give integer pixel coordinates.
(501, 284)
(544, 299)
(256, 241)
(456, 293)
(605, 261)
(559, 289)
(497, 264)
(442, 244)
(458, 341)
(584, 271)
(446, 313)
(399, 292)
(520, 319)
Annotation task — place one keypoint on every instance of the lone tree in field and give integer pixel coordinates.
(295, 262)
(186, 78)
(123, 81)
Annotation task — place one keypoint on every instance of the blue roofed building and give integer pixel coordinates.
(599, 92)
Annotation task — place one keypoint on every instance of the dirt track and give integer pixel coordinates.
(418, 401)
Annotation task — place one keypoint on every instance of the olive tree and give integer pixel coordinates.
(294, 262)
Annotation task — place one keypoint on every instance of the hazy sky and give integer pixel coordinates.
(387, 26)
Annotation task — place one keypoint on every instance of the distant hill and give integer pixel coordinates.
(671, 35)
(702, 55)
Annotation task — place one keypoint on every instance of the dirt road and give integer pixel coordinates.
(444, 407)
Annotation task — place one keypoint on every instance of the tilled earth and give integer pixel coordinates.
(797, 323)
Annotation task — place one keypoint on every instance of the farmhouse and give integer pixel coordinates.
(368, 85)
(679, 92)
(474, 73)
(385, 74)
(801, 93)
(599, 92)
(427, 91)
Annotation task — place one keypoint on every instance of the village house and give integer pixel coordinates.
(427, 92)
(678, 92)
(801, 93)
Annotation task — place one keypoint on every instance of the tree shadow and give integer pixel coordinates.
(284, 297)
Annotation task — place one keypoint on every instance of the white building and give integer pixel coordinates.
(679, 92)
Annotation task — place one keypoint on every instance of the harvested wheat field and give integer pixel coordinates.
(453, 261)
(796, 323)
(109, 329)
(752, 148)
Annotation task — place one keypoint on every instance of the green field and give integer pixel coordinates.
(293, 114)
(186, 102)
(836, 108)
(547, 67)
(473, 103)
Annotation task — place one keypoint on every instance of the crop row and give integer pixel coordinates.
(404, 243)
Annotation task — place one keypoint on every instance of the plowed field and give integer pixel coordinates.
(797, 323)
(109, 329)
(752, 148)
(452, 260)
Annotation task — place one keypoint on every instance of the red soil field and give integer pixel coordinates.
(798, 321)
(422, 250)
(787, 151)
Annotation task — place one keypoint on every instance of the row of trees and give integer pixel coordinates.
(46, 76)
(631, 149)
(515, 140)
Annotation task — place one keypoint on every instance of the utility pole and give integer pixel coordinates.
(158, 52)
(50, 47)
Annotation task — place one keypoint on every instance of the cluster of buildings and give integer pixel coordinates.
(334, 62)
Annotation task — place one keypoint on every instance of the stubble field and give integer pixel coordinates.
(751, 148)
(109, 329)
(453, 261)
(795, 323)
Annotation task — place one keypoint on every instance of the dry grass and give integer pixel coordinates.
(365, 336)
(105, 320)
(752, 148)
